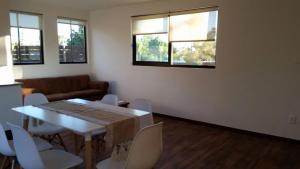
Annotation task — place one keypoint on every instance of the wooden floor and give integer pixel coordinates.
(189, 145)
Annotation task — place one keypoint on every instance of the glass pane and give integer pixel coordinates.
(152, 48)
(30, 45)
(64, 41)
(71, 39)
(157, 25)
(212, 25)
(14, 44)
(196, 26)
(194, 53)
(78, 44)
(29, 21)
(13, 19)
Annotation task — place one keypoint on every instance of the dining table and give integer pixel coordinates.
(79, 124)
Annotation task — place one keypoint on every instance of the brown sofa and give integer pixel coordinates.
(68, 87)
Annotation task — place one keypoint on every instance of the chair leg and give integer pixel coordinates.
(50, 138)
(18, 165)
(61, 141)
(3, 162)
(13, 162)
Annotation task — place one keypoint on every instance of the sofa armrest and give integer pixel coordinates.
(101, 85)
(28, 91)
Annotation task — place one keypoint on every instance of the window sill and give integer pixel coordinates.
(168, 65)
(24, 64)
(76, 63)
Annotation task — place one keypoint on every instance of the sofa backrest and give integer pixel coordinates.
(57, 84)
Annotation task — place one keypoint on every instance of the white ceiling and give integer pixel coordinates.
(90, 4)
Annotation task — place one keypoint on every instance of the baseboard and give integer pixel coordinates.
(230, 128)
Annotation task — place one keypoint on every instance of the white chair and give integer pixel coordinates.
(141, 104)
(144, 105)
(144, 152)
(30, 158)
(7, 148)
(45, 129)
(110, 99)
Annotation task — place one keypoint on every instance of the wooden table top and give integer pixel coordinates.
(72, 123)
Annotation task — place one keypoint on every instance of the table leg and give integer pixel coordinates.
(88, 152)
(76, 144)
(25, 123)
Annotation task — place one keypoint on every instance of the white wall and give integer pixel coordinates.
(6, 75)
(51, 66)
(254, 87)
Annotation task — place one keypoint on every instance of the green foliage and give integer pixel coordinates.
(77, 38)
(155, 48)
(152, 48)
(195, 53)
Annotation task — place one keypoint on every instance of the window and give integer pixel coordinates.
(72, 41)
(26, 38)
(183, 39)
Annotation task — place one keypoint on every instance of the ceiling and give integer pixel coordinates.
(90, 4)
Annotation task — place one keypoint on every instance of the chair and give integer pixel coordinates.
(7, 148)
(45, 129)
(144, 105)
(144, 152)
(110, 99)
(141, 104)
(30, 158)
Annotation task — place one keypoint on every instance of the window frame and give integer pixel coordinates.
(85, 38)
(42, 60)
(170, 47)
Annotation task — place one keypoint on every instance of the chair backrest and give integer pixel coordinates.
(5, 148)
(35, 99)
(26, 150)
(145, 105)
(110, 99)
(141, 104)
(146, 148)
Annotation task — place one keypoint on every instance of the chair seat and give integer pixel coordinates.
(111, 164)
(58, 159)
(46, 129)
(41, 145)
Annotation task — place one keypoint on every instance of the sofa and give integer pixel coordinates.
(68, 87)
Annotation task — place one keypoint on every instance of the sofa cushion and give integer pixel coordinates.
(42, 85)
(87, 93)
(57, 84)
(75, 83)
(76, 94)
(58, 96)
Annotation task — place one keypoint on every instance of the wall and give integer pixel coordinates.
(6, 75)
(51, 66)
(256, 83)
